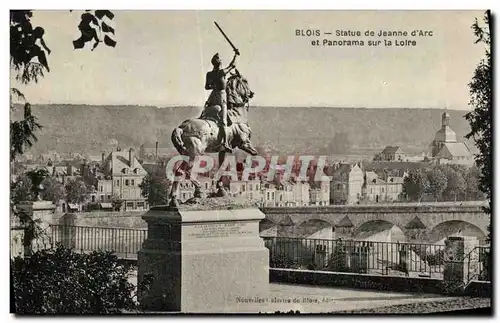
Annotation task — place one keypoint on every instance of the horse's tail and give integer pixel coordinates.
(177, 140)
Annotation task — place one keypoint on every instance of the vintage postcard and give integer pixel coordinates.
(246, 161)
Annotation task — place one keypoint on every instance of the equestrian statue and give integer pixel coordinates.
(222, 125)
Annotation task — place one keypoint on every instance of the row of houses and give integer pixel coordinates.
(116, 177)
(350, 184)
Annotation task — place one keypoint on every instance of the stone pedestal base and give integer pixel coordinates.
(458, 260)
(202, 260)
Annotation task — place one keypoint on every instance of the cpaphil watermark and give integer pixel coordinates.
(303, 168)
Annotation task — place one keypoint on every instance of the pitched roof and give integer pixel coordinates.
(390, 149)
(120, 160)
(456, 149)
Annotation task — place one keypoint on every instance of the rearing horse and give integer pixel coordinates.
(195, 137)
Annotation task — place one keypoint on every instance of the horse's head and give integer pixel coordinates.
(241, 139)
(239, 92)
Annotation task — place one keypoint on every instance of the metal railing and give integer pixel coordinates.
(479, 264)
(124, 242)
(371, 257)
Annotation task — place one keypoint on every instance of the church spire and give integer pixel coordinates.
(445, 119)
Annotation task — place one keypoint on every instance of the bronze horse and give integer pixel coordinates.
(195, 137)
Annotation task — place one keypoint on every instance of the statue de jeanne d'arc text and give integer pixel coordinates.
(223, 124)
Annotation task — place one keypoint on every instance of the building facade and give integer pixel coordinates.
(393, 153)
(346, 185)
(126, 175)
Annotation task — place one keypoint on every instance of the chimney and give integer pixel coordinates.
(157, 150)
(131, 158)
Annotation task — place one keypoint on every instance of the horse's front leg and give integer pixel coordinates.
(194, 181)
(178, 171)
(221, 191)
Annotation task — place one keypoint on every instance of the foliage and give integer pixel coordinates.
(456, 184)
(22, 133)
(416, 184)
(156, 188)
(21, 190)
(116, 202)
(437, 182)
(37, 177)
(76, 191)
(481, 102)
(472, 182)
(53, 190)
(61, 281)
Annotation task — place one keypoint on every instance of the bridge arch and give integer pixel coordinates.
(379, 230)
(440, 232)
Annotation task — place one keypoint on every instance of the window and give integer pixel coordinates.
(126, 182)
(243, 188)
(100, 188)
(109, 197)
(268, 196)
(206, 186)
(93, 199)
(281, 197)
(130, 205)
(382, 190)
(140, 205)
(102, 198)
(132, 183)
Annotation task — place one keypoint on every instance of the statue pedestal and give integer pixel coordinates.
(202, 260)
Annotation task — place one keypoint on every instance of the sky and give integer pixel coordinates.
(162, 57)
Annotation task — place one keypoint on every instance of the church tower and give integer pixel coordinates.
(443, 135)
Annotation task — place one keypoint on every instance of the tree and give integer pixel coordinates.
(416, 184)
(53, 190)
(64, 281)
(437, 182)
(480, 89)
(456, 185)
(29, 61)
(76, 191)
(155, 187)
(472, 182)
(37, 177)
(116, 202)
(21, 190)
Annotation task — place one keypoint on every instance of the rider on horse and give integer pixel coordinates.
(216, 81)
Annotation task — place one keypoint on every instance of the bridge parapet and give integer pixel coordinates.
(425, 218)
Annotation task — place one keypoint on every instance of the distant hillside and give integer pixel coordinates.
(333, 131)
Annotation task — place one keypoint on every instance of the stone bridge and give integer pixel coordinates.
(423, 222)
